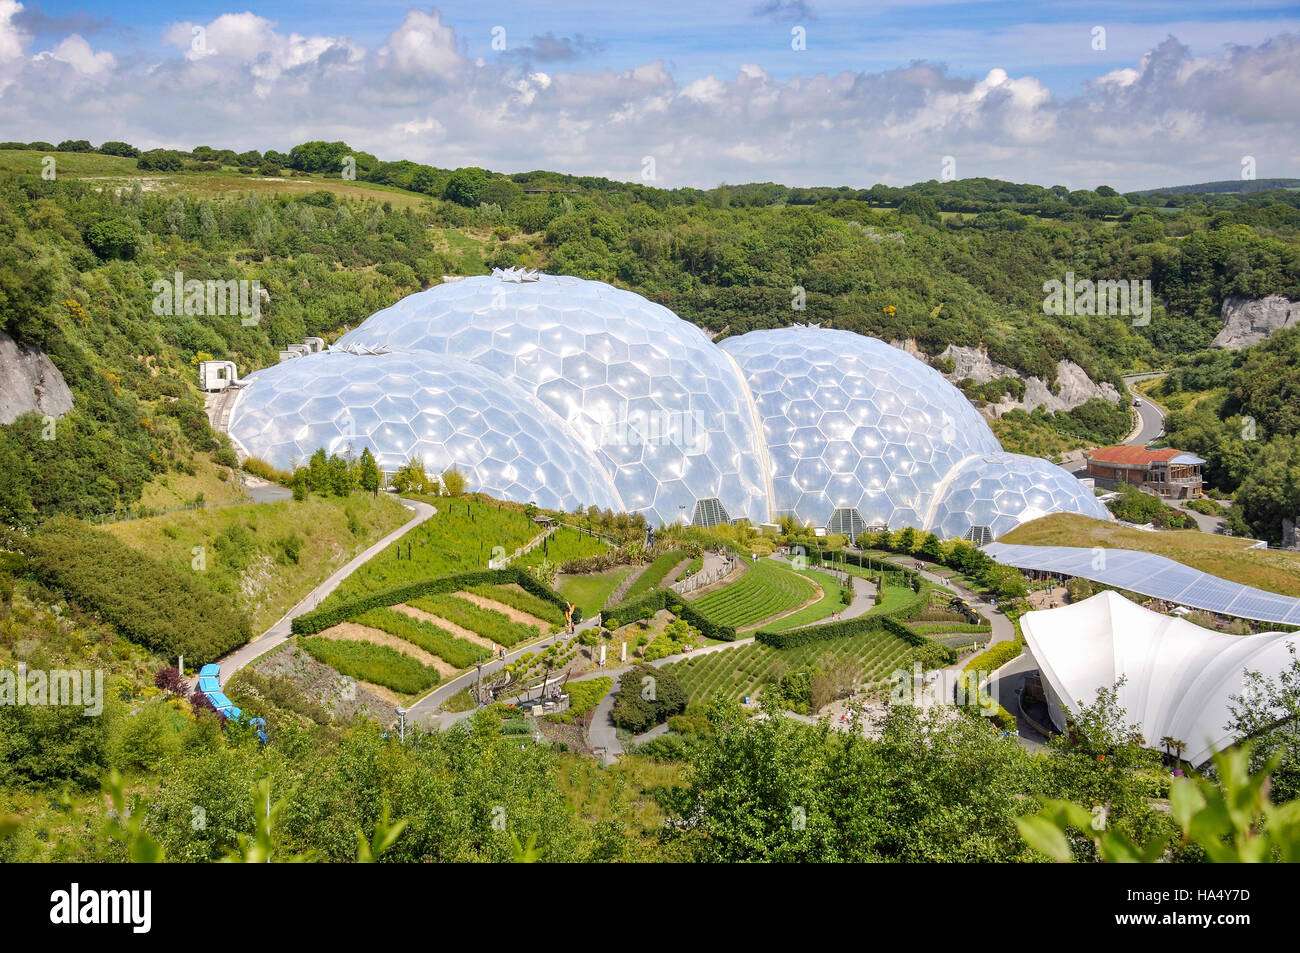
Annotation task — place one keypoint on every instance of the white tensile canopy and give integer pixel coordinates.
(1180, 677)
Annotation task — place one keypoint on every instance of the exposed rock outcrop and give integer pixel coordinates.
(29, 381)
(1247, 321)
(1073, 385)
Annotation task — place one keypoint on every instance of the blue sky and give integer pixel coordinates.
(698, 38)
(713, 91)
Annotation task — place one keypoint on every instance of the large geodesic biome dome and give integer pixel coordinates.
(568, 392)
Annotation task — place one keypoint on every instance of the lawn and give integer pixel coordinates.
(1223, 556)
(740, 671)
(590, 591)
(248, 550)
(564, 544)
(766, 589)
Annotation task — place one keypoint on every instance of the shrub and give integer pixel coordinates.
(634, 711)
(587, 694)
(137, 594)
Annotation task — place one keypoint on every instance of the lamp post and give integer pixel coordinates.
(401, 723)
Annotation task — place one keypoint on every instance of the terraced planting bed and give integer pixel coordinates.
(831, 601)
(740, 671)
(766, 589)
(456, 652)
(374, 663)
(489, 623)
(517, 598)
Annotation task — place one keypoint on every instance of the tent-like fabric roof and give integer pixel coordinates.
(1179, 677)
(1152, 575)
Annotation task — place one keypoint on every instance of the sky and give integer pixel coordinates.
(802, 92)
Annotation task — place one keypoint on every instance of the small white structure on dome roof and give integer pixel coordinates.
(1179, 678)
(517, 274)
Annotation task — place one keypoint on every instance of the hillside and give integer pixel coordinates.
(937, 265)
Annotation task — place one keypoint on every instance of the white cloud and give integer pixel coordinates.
(422, 45)
(76, 52)
(418, 96)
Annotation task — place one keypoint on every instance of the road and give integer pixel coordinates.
(280, 631)
(1152, 417)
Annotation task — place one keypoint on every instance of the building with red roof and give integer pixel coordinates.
(1167, 472)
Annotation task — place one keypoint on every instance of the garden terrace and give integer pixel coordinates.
(766, 589)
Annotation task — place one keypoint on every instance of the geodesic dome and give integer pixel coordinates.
(572, 392)
(852, 423)
(1002, 490)
(646, 392)
(434, 406)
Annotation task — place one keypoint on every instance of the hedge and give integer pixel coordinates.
(323, 618)
(668, 599)
(995, 656)
(891, 622)
(168, 611)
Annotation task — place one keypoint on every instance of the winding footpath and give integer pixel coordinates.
(280, 632)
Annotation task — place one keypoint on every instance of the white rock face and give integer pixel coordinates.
(29, 381)
(1247, 322)
(1075, 386)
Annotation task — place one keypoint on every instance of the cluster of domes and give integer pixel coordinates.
(570, 392)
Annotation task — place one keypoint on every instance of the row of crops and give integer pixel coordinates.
(392, 668)
(831, 601)
(766, 589)
(740, 671)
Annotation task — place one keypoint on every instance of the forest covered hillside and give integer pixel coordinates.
(332, 235)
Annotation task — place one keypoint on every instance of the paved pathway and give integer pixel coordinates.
(280, 631)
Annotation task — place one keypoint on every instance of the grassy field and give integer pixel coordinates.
(460, 537)
(766, 589)
(821, 609)
(116, 172)
(564, 544)
(654, 574)
(1223, 556)
(589, 592)
(176, 489)
(248, 550)
(740, 671)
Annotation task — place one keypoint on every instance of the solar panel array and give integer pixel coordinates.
(1155, 576)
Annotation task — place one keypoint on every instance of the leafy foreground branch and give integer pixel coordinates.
(1232, 821)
